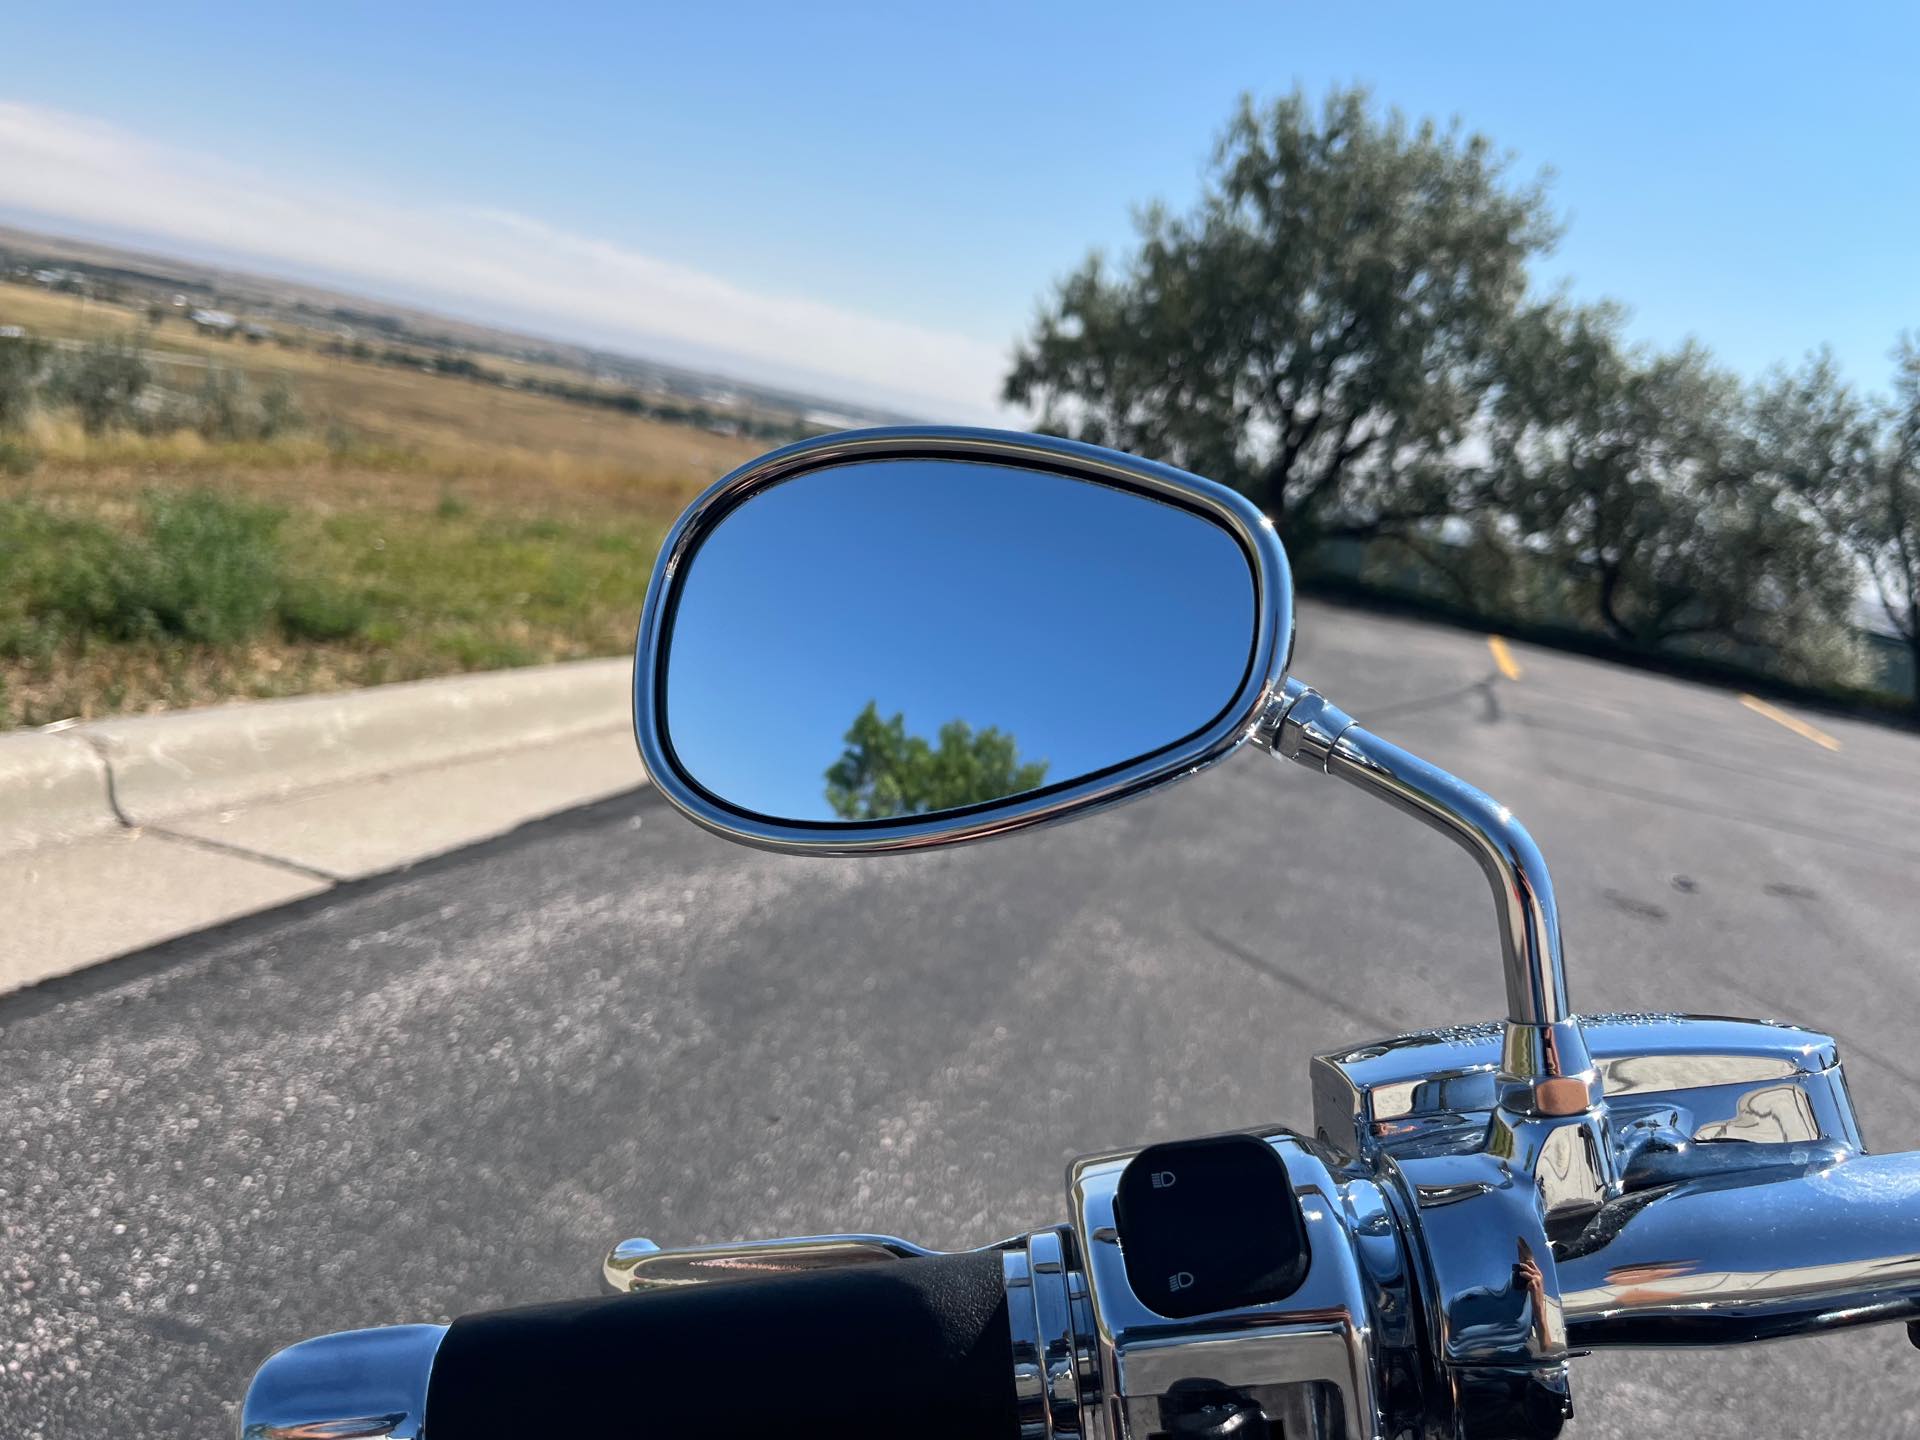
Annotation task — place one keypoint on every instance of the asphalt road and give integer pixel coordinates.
(453, 1087)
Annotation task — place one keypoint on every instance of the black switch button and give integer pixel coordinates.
(1210, 1225)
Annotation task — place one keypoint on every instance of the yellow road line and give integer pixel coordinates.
(1798, 726)
(1503, 657)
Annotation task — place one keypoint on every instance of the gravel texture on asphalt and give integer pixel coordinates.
(451, 1088)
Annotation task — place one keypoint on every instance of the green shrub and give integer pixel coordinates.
(311, 610)
(213, 572)
(163, 411)
(104, 383)
(17, 457)
(54, 583)
(482, 649)
(198, 566)
(22, 366)
(228, 407)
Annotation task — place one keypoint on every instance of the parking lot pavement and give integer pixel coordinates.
(451, 1088)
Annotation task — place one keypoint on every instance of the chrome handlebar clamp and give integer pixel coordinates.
(1056, 1384)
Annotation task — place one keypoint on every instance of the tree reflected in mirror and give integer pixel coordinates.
(885, 772)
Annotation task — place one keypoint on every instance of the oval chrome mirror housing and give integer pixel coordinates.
(888, 639)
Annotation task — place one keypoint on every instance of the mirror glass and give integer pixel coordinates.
(907, 636)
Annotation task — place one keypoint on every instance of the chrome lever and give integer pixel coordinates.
(639, 1266)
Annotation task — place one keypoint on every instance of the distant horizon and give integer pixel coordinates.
(671, 183)
(99, 175)
(133, 246)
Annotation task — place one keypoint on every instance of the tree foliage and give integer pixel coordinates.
(1341, 328)
(1630, 472)
(886, 772)
(1856, 464)
(1889, 529)
(1320, 332)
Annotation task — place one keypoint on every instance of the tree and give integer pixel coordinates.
(1630, 472)
(1856, 463)
(1322, 330)
(886, 772)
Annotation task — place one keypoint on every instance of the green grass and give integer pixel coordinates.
(188, 596)
(296, 521)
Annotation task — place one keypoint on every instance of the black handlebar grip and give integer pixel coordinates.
(911, 1347)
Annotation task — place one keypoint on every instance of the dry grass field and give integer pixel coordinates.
(411, 524)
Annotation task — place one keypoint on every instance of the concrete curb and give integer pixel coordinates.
(52, 787)
(93, 777)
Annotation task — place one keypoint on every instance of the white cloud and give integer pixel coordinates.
(483, 264)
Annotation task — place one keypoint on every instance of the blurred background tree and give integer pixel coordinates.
(1856, 464)
(1890, 533)
(1342, 329)
(1629, 471)
(1321, 332)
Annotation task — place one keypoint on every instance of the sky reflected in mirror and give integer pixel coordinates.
(902, 637)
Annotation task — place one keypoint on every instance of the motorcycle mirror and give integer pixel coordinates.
(888, 639)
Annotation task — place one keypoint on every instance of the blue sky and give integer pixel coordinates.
(871, 198)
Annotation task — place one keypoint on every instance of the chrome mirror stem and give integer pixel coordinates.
(1545, 1067)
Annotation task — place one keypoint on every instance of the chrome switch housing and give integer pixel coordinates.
(1331, 1359)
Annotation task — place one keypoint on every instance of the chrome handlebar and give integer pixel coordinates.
(1481, 1204)
(1449, 1285)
